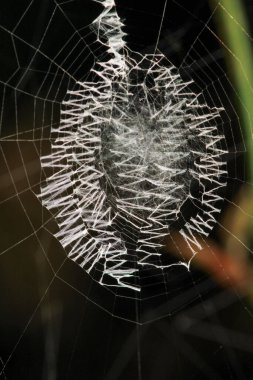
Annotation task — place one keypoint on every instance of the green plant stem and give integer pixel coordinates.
(233, 27)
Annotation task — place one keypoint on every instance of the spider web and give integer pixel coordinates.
(116, 150)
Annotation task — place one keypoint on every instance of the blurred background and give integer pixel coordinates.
(55, 322)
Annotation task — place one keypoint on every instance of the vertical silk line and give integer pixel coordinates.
(161, 25)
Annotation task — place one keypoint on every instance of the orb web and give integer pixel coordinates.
(122, 160)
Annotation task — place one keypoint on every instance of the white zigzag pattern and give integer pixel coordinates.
(120, 158)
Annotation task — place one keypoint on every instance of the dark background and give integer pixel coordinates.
(55, 322)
